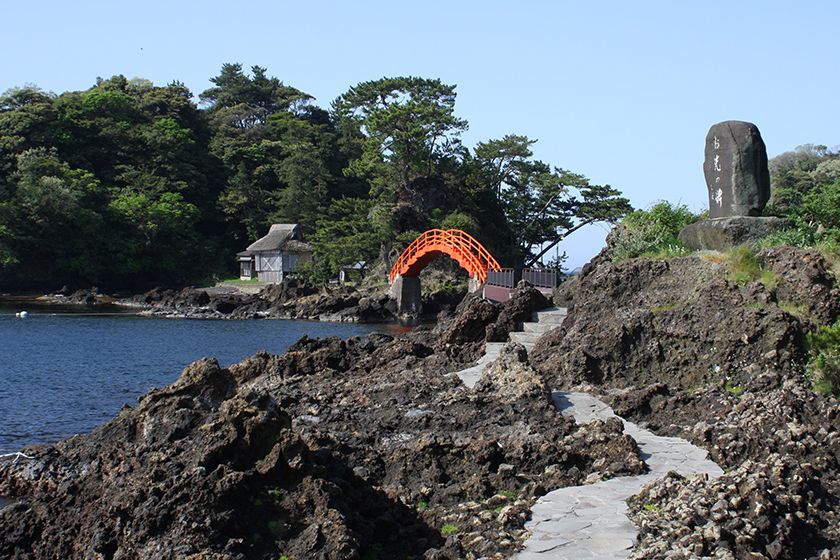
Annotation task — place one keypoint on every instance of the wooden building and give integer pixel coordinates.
(273, 257)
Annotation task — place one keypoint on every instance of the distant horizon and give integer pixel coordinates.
(623, 94)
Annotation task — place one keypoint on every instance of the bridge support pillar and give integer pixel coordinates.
(406, 291)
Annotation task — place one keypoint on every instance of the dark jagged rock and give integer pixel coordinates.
(336, 449)
(293, 299)
(805, 280)
(685, 322)
(524, 301)
(85, 296)
(780, 445)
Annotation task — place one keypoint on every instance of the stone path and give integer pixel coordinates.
(543, 322)
(590, 521)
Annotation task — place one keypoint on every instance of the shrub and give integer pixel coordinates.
(448, 529)
(824, 361)
(651, 232)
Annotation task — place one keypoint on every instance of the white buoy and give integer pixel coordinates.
(22, 314)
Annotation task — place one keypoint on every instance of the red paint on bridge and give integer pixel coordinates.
(459, 245)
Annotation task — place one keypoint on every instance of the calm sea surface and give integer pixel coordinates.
(64, 371)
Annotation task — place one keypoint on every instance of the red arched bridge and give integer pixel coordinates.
(459, 245)
(471, 255)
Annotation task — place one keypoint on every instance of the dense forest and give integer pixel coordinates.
(128, 184)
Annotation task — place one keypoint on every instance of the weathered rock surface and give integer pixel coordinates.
(477, 321)
(336, 449)
(781, 445)
(735, 168)
(720, 234)
(685, 322)
(701, 358)
(291, 300)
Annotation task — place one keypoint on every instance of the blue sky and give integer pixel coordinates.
(622, 92)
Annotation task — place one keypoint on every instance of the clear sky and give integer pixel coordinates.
(622, 92)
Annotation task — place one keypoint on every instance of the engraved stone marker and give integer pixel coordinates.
(736, 170)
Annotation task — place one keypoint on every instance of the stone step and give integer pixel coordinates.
(553, 315)
(539, 328)
(524, 338)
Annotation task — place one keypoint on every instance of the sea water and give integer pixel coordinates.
(64, 371)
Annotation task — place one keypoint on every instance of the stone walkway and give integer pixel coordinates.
(543, 321)
(590, 521)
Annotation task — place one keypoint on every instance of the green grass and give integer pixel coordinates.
(448, 529)
(824, 359)
(240, 281)
(799, 310)
(509, 494)
(421, 505)
(744, 267)
(659, 309)
(668, 251)
(734, 390)
(651, 508)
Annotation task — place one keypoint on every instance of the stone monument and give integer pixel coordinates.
(736, 170)
(738, 180)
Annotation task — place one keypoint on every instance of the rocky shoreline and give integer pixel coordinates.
(373, 448)
(292, 299)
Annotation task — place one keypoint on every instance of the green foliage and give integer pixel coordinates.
(409, 125)
(734, 390)
(651, 508)
(745, 267)
(660, 309)
(422, 505)
(460, 220)
(448, 529)
(345, 235)
(824, 361)
(128, 184)
(651, 232)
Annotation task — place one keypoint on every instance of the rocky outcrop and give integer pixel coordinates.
(85, 296)
(292, 299)
(780, 443)
(477, 321)
(720, 234)
(336, 449)
(686, 321)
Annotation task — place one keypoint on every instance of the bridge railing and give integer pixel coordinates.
(503, 278)
(540, 277)
(468, 249)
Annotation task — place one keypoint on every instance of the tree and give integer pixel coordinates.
(55, 221)
(408, 125)
(543, 205)
(500, 158)
(249, 101)
(345, 235)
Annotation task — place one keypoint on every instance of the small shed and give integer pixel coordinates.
(350, 272)
(273, 257)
